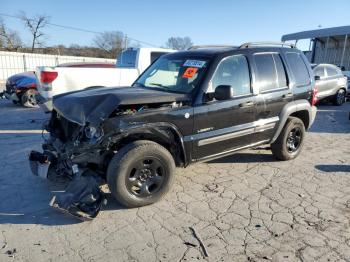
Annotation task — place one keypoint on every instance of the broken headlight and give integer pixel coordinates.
(93, 132)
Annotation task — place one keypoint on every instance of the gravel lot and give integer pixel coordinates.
(247, 207)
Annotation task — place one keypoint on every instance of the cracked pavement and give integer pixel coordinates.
(245, 207)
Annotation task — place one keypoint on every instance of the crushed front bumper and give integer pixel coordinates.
(83, 197)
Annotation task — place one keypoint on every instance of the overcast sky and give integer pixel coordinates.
(154, 21)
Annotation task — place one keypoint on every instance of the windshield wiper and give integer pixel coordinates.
(156, 84)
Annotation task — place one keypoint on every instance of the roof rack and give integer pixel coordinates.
(210, 46)
(250, 44)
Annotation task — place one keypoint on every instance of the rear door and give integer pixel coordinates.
(272, 84)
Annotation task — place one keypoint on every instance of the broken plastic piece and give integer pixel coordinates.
(39, 164)
(82, 199)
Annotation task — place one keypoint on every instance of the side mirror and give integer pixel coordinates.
(223, 92)
(317, 78)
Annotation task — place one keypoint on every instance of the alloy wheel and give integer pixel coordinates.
(294, 140)
(146, 177)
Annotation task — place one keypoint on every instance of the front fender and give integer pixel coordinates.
(159, 130)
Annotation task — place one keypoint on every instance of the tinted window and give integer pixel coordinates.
(299, 69)
(233, 71)
(319, 71)
(331, 71)
(266, 72)
(156, 55)
(281, 73)
(127, 58)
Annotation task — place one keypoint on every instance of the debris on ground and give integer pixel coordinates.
(82, 199)
(4, 245)
(212, 188)
(11, 252)
(190, 244)
(201, 243)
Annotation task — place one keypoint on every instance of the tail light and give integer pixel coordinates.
(314, 96)
(48, 77)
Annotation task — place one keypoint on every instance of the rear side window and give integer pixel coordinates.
(127, 59)
(331, 71)
(281, 72)
(270, 72)
(156, 55)
(298, 68)
(319, 71)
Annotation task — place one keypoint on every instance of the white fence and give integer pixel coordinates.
(13, 63)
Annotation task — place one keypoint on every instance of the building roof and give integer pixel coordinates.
(324, 32)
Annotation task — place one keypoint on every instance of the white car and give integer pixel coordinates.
(331, 83)
(58, 80)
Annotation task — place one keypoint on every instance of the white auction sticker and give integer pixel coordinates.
(194, 63)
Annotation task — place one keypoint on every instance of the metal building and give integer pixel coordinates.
(327, 45)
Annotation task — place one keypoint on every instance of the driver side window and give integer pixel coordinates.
(232, 71)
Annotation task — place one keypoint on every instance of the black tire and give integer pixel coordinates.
(141, 173)
(290, 141)
(339, 98)
(28, 98)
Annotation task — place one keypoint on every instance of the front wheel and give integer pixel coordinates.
(339, 98)
(290, 141)
(141, 173)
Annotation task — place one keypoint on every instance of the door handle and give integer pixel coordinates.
(246, 104)
(286, 96)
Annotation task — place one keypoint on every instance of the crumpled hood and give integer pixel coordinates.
(96, 104)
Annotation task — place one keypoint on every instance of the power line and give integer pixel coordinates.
(80, 29)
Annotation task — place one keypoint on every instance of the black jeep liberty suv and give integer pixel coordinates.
(188, 106)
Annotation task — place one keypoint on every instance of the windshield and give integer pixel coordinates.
(180, 75)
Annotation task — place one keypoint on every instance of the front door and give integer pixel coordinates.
(223, 126)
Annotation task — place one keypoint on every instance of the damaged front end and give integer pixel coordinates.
(87, 128)
(73, 153)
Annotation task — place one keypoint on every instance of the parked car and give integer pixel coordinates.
(188, 106)
(21, 89)
(130, 64)
(331, 83)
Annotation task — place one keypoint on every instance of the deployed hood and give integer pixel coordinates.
(95, 104)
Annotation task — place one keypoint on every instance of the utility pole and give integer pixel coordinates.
(126, 41)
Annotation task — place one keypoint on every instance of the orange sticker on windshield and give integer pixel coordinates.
(190, 72)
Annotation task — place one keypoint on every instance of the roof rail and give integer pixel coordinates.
(250, 44)
(210, 46)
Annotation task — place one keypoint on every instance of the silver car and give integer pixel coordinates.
(331, 83)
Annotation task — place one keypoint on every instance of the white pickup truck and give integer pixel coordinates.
(130, 64)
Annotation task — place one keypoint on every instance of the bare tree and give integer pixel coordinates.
(9, 39)
(35, 26)
(179, 43)
(112, 42)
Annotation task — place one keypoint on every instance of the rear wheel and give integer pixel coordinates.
(28, 98)
(291, 140)
(339, 98)
(141, 173)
